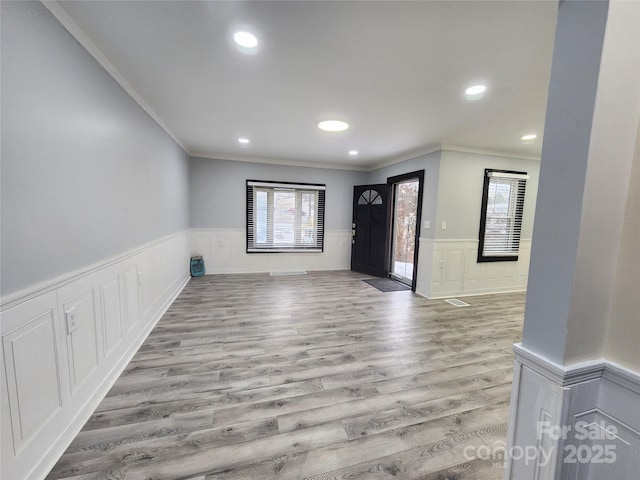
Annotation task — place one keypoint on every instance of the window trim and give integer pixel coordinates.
(523, 176)
(299, 187)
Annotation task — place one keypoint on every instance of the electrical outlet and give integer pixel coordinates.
(72, 321)
(427, 224)
(444, 225)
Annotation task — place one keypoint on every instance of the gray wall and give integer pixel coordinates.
(86, 174)
(453, 190)
(624, 327)
(430, 163)
(218, 190)
(460, 192)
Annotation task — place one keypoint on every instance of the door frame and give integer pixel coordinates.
(391, 181)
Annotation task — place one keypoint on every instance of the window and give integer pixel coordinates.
(284, 217)
(501, 215)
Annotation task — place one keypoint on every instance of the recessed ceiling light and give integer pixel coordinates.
(333, 125)
(245, 39)
(475, 92)
(353, 153)
(529, 137)
(243, 141)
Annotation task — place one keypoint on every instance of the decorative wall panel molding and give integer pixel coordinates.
(64, 344)
(224, 251)
(32, 382)
(83, 345)
(449, 268)
(112, 317)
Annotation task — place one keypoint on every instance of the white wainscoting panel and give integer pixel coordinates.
(32, 381)
(130, 295)
(449, 268)
(538, 400)
(145, 276)
(582, 401)
(54, 378)
(425, 267)
(84, 344)
(224, 251)
(112, 317)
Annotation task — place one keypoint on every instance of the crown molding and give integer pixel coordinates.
(482, 151)
(74, 29)
(405, 156)
(276, 161)
(449, 148)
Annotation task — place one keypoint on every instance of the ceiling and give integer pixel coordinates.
(395, 71)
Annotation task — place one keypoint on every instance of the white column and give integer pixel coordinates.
(590, 134)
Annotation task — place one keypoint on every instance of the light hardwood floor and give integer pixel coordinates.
(317, 376)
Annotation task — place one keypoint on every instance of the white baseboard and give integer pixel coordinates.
(116, 304)
(488, 291)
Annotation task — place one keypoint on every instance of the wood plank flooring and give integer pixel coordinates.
(317, 376)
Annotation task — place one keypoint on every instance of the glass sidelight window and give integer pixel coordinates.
(405, 217)
(406, 208)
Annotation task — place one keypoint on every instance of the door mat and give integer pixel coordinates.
(387, 285)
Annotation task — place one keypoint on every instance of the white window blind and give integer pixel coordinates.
(501, 216)
(285, 217)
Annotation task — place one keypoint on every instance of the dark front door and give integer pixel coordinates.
(369, 240)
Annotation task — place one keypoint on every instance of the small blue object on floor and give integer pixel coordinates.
(197, 266)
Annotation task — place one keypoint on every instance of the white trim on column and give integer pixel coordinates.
(568, 375)
(593, 391)
(622, 377)
(563, 376)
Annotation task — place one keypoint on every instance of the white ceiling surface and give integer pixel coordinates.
(395, 71)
